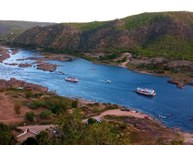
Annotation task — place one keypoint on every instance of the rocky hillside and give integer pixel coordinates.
(167, 34)
(11, 29)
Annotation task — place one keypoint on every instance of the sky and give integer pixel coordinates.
(85, 10)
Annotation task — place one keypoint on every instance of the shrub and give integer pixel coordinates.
(43, 138)
(6, 138)
(92, 121)
(30, 116)
(45, 114)
(28, 94)
(35, 105)
(56, 109)
(74, 104)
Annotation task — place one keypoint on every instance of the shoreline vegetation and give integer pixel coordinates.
(31, 104)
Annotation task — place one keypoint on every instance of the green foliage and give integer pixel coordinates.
(155, 68)
(92, 121)
(43, 138)
(6, 137)
(169, 46)
(28, 94)
(75, 132)
(30, 141)
(137, 21)
(101, 134)
(45, 114)
(30, 116)
(110, 56)
(36, 105)
(74, 104)
(55, 104)
(88, 26)
(72, 128)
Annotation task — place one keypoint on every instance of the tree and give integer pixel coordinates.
(72, 128)
(6, 137)
(92, 121)
(74, 104)
(30, 141)
(28, 94)
(101, 134)
(43, 138)
(74, 131)
(45, 114)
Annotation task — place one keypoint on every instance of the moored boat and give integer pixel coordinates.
(70, 79)
(146, 92)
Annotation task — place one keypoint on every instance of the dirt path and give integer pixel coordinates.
(119, 112)
(36, 128)
(31, 131)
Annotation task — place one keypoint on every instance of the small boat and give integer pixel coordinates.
(70, 79)
(162, 116)
(146, 92)
(108, 81)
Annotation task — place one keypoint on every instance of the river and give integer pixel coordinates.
(172, 106)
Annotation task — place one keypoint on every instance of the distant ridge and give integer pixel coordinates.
(11, 29)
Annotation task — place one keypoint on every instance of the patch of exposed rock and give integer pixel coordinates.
(178, 82)
(145, 60)
(4, 53)
(24, 65)
(12, 64)
(59, 57)
(46, 66)
(46, 57)
(15, 84)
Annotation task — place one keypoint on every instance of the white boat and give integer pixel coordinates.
(70, 79)
(108, 81)
(146, 92)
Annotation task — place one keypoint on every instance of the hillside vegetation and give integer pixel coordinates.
(167, 34)
(11, 29)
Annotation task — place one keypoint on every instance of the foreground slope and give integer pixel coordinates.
(29, 107)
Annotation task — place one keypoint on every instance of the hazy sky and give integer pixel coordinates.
(85, 10)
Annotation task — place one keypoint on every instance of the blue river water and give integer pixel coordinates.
(171, 105)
